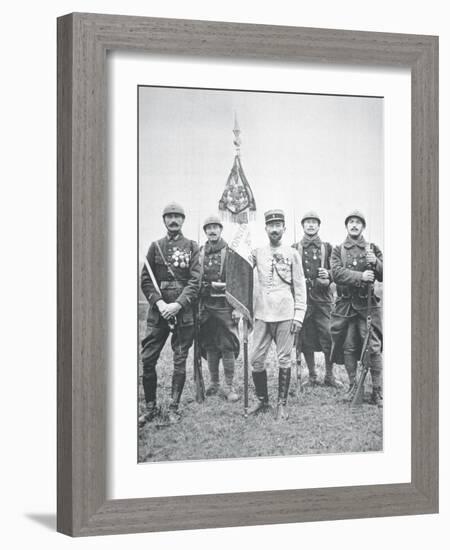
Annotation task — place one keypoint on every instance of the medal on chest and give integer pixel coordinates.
(180, 258)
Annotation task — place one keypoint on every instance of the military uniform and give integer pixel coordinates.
(315, 334)
(280, 299)
(219, 337)
(349, 318)
(174, 261)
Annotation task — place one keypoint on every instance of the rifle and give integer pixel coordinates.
(363, 363)
(198, 374)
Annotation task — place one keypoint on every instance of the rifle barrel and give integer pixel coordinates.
(358, 396)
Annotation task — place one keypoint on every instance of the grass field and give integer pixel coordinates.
(320, 420)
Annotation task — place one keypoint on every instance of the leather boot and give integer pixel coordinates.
(376, 369)
(228, 367)
(213, 358)
(149, 382)
(310, 361)
(329, 379)
(376, 397)
(151, 411)
(178, 380)
(260, 381)
(284, 378)
(351, 367)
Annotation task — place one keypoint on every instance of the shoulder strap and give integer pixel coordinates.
(281, 277)
(279, 274)
(201, 259)
(166, 263)
(223, 254)
(343, 256)
(322, 254)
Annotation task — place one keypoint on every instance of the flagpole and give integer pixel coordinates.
(245, 341)
(297, 360)
(237, 205)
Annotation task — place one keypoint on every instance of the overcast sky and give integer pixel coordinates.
(299, 152)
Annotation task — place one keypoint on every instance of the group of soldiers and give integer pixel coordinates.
(296, 305)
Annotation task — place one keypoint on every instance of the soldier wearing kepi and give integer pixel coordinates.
(315, 334)
(174, 262)
(279, 310)
(219, 338)
(355, 264)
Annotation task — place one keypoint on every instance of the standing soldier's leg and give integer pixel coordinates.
(322, 322)
(351, 347)
(308, 336)
(311, 363)
(376, 371)
(207, 333)
(262, 339)
(182, 339)
(152, 345)
(228, 368)
(228, 335)
(213, 358)
(284, 340)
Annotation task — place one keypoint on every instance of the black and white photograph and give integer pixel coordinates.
(263, 379)
(260, 270)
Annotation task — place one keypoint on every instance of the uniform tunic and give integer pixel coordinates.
(348, 326)
(218, 332)
(281, 292)
(177, 272)
(280, 298)
(315, 334)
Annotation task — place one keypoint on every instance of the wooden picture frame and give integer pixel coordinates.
(83, 41)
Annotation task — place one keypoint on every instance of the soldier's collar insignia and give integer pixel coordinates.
(174, 237)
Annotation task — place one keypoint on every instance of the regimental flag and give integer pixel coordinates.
(237, 205)
(239, 269)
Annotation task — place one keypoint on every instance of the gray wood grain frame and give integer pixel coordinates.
(83, 41)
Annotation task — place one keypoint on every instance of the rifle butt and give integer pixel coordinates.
(358, 396)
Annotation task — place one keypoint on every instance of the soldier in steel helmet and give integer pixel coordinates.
(355, 264)
(279, 311)
(219, 338)
(315, 334)
(174, 261)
